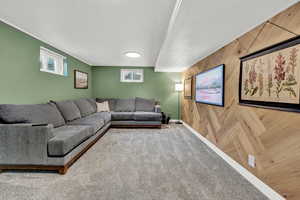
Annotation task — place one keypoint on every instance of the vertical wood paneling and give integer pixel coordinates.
(272, 136)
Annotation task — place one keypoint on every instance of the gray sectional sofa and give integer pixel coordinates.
(53, 136)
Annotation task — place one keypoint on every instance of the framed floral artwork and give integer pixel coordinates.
(270, 78)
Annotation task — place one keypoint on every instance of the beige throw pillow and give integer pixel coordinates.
(103, 107)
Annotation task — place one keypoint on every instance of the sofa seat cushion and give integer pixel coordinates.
(106, 116)
(35, 114)
(68, 109)
(122, 116)
(93, 121)
(146, 105)
(124, 105)
(66, 138)
(147, 116)
(85, 107)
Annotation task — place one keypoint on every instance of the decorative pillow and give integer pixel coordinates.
(85, 107)
(146, 105)
(103, 107)
(68, 109)
(111, 102)
(125, 105)
(35, 114)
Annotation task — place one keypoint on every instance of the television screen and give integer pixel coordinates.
(210, 86)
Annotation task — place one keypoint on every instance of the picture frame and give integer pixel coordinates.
(270, 78)
(210, 86)
(132, 75)
(81, 80)
(188, 83)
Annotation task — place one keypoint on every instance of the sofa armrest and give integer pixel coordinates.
(24, 144)
(157, 109)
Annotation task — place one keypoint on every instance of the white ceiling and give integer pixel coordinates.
(96, 31)
(202, 27)
(171, 35)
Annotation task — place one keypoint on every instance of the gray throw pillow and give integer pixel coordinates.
(84, 106)
(146, 105)
(35, 114)
(68, 109)
(125, 105)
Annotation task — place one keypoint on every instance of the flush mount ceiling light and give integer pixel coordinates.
(132, 54)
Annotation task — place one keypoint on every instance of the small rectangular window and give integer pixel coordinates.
(52, 62)
(132, 75)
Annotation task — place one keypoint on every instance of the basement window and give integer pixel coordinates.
(132, 75)
(52, 62)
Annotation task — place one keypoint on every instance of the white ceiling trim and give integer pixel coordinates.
(171, 24)
(45, 41)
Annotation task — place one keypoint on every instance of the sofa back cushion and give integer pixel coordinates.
(35, 114)
(146, 105)
(125, 105)
(68, 109)
(111, 102)
(93, 103)
(85, 107)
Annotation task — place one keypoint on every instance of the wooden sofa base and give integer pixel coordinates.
(136, 126)
(60, 169)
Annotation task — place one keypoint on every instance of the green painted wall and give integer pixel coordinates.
(158, 85)
(21, 82)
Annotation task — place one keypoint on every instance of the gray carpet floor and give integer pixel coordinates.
(137, 164)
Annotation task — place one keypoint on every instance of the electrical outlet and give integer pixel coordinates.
(251, 161)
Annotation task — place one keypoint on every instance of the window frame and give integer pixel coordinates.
(59, 60)
(123, 72)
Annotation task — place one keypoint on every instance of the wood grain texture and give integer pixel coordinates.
(273, 137)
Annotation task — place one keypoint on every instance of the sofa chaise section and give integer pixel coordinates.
(49, 136)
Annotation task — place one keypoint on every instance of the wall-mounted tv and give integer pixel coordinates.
(210, 86)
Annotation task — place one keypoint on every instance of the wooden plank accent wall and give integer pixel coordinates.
(272, 136)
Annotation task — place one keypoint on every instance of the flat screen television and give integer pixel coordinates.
(210, 86)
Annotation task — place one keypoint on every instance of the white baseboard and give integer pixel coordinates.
(261, 186)
(174, 120)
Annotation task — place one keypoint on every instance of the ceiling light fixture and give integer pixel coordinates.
(132, 54)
